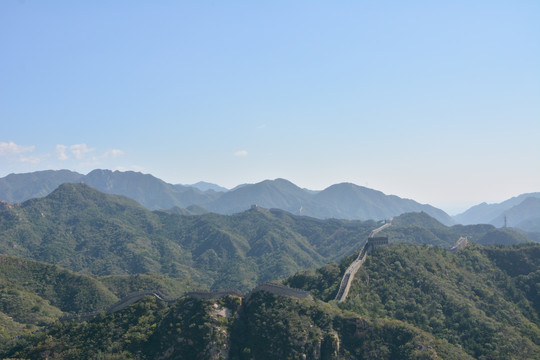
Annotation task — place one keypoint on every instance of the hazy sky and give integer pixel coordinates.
(438, 101)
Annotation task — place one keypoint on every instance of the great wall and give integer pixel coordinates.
(272, 288)
(371, 244)
(132, 298)
(276, 289)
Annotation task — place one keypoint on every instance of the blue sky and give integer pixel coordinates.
(430, 100)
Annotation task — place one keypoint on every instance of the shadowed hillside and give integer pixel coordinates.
(341, 201)
(85, 230)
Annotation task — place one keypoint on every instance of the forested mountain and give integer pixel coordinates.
(410, 300)
(340, 201)
(86, 230)
(34, 294)
(406, 302)
(485, 300)
(279, 193)
(420, 228)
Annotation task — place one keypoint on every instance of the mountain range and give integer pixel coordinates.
(342, 201)
(78, 249)
(522, 212)
(88, 231)
(406, 302)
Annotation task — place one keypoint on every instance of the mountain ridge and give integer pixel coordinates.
(86, 230)
(407, 302)
(522, 212)
(154, 194)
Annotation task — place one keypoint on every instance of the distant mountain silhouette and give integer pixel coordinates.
(86, 230)
(279, 194)
(350, 201)
(146, 189)
(16, 188)
(525, 215)
(343, 201)
(522, 211)
(205, 186)
(483, 213)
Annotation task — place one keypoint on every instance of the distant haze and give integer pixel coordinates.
(431, 101)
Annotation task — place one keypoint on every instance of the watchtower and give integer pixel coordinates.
(374, 242)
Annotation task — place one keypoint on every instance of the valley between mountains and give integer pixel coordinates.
(77, 249)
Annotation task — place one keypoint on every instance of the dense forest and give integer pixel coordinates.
(406, 302)
(70, 256)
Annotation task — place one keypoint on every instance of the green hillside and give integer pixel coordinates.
(266, 326)
(406, 302)
(64, 289)
(483, 299)
(420, 228)
(85, 230)
(34, 294)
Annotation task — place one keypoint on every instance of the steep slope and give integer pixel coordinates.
(205, 186)
(36, 294)
(146, 189)
(263, 326)
(485, 213)
(525, 215)
(85, 230)
(349, 201)
(345, 201)
(408, 302)
(477, 299)
(64, 289)
(279, 193)
(21, 187)
(420, 228)
(341, 201)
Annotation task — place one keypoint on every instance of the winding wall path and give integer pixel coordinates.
(348, 277)
(132, 298)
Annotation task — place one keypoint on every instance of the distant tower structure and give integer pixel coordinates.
(505, 221)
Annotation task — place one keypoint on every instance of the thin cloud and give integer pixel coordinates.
(92, 162)
(10, 149)
(15, 152)
(241, 153)
(80, 150)
(61, 152)
(30, 159)
(114, 153)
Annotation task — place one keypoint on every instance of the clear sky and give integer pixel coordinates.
(438, 101)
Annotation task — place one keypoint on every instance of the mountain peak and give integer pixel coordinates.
(206, 186)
